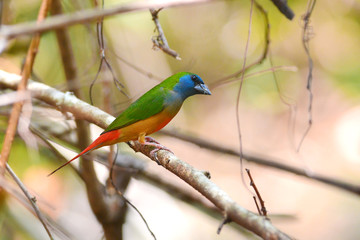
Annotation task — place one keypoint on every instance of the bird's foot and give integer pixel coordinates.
(149, 141)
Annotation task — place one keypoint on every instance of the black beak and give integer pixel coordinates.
(203, 89)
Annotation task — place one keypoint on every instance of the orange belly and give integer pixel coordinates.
(144, 127)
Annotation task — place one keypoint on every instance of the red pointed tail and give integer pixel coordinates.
(102, 140)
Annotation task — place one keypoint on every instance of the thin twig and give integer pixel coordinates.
(257, 205)
(31, 199)
(100, 37)
(272, 69)
(228, 78)
(16, 111)
(117, 83)
(138, 69)
(262, 210)
(226, 220)
(94, 80)
(160, 41)
(237, 111)
(305, 41)
(291, 105)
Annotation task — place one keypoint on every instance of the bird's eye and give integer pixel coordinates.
(194, 78)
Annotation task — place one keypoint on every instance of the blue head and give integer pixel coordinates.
(190, 84)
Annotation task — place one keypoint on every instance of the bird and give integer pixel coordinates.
(148, 114)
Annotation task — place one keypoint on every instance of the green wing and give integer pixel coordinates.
(149, 104)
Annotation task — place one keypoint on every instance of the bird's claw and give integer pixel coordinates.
(149, 141)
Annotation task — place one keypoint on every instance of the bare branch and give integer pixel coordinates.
(226, 220)
(237, 104)
(262, 210)
(255, 74)
(103, 59)
(305, 40)
(160, 41)
(136, 68)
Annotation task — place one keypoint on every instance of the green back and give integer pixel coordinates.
(149, 104)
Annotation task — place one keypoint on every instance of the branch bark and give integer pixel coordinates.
(200, 181)
(195, 178)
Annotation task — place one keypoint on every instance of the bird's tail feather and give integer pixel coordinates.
(99, 142)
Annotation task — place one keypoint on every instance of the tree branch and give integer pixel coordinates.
(195, 178)
(89, 15)
(200, 181)
(160, 41)
(306, 34)
(16, 111)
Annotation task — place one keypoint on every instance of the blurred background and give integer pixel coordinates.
(210, 39)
